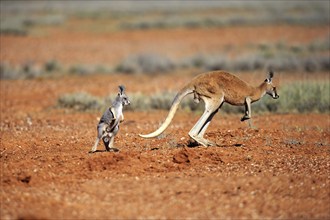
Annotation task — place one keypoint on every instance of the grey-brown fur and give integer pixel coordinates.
(108, 125)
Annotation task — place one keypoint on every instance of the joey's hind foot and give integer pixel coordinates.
(112, 149)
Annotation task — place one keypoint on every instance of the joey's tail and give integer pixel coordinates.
(176, 102)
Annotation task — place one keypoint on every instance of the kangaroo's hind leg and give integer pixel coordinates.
(247, 105)
(202, 132)
(109, 146)
(95, 145)
(106, 142)
(100, 133)
(197, 132)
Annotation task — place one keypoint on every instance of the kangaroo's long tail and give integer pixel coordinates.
(176, 102)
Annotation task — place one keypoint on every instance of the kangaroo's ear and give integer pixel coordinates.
(271, 74)
(270, 77)
(121, 89)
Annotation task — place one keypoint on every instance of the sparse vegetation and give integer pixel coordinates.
(20, 25)
(27, 70)
(153, 63)
(30, 70)
(268, 16)
(278, 61)
(145, 63)
(279, 166)
(80, 101)
(297, 97)
(52, 66)
(305, 97)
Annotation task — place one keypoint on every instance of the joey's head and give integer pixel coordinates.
(122, 97)
(270, 88)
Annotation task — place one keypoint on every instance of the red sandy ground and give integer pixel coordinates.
(280, 169)
(76, 47)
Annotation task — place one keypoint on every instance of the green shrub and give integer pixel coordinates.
(248, 63)
(162, 100)
(12, 26)
(139, 101)
(145, 63)
(79, 69)
(28, 70)
(298, 97)
(80, 101)
(52, 65)
(305, 97)
(8, 72)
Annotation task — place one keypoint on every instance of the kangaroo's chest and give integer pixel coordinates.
(117, 114)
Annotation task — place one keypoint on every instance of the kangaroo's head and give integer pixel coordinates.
(271, 89)
(122, 97)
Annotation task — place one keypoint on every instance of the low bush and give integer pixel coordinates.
(139, 102)
(20, 24)
(52, 65)
(203, 61)
(8, 72)
(30, 70)
(13, 25)
(284, 61)
(145, 63)
(26, 71)
(162, 100)
(305, 97)
(248, 63)
(81, 69)
(80, 101)
(298, 97)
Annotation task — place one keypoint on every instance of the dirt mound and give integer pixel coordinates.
(106, 162)
(182, 157)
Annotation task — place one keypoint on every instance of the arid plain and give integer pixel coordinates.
(278, 168)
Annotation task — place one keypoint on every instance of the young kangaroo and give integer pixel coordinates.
(108, 125)
(215, 88)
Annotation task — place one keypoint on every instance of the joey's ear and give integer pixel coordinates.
(121, 89)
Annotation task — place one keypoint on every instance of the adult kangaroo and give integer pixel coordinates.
(215, 88)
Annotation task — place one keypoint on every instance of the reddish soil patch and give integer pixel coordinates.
(280, 169)
(73, 47)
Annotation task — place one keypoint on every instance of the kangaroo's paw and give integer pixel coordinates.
(204, 142)
(245, 117)
(211, 143)
(112, 149)
(91, 151)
